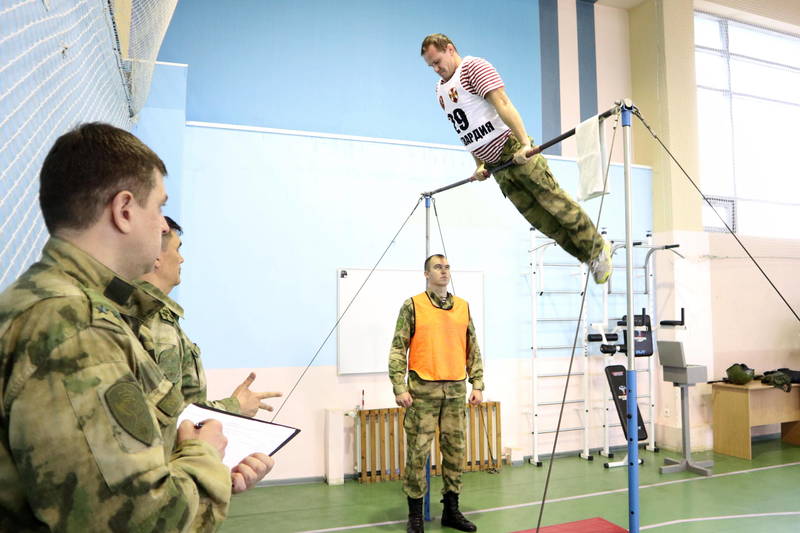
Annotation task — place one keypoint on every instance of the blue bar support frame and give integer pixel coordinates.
(426, 510)
(630, 377)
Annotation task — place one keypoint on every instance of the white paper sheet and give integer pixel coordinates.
(245, 435)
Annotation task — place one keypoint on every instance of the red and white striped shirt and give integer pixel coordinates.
(479, 77)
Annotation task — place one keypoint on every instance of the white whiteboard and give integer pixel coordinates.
(364, 335)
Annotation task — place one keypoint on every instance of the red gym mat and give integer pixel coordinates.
(592, 525)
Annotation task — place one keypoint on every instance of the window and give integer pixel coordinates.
(748, 111)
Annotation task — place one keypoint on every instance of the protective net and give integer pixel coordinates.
(60, 66)
(149, 21)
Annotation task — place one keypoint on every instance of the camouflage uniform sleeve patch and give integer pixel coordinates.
(129, 408)
(172, 402)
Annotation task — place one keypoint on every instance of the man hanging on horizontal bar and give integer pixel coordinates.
(436, 330)
(473, 97)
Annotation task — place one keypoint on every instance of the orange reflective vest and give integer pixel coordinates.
(438, 350)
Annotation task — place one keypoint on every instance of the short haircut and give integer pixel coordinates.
(439, 40)
(173, 226)
(428, 260)
(87, 167)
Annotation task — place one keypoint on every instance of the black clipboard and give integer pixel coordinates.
(243, 432)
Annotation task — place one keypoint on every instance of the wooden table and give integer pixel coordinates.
(737, 408)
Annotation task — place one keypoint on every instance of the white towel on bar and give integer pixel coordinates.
(590, 159)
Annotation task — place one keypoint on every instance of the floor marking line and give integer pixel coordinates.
(724, 517)
(577, 497)
(345, 528)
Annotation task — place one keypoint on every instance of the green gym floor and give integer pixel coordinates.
(767, 488)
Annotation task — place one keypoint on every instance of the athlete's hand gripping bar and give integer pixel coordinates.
(530, 153)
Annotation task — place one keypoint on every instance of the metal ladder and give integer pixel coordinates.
(539, 245)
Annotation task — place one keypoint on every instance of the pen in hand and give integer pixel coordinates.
(209, 431)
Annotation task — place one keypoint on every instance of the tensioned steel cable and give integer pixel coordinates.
(575, 339)
(345, 310)
(727, 227)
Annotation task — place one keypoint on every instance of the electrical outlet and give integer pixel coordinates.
(667, 412)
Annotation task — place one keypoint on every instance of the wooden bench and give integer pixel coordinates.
(737, 408)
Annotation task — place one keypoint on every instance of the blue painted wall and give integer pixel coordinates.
(348, 67)
(160, 125)
(270, 217)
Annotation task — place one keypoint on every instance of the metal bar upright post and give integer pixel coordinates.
(535, 270)
(427, 497)
(607, 359)
(427, 225)
(585, 384)
(632, 413)
(650, 288)
(686, 434)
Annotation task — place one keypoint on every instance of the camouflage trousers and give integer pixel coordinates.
(538, 197)
(420, 425)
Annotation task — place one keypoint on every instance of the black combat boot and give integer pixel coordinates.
(452, 517)
(415, 520)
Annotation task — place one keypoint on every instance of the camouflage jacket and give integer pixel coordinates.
(398, 360)
(83, 407)
(176, 354)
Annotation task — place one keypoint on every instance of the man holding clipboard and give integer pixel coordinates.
(179, 359)
(81, 417)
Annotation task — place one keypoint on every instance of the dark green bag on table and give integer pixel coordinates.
(739, 374)
(777, 379)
